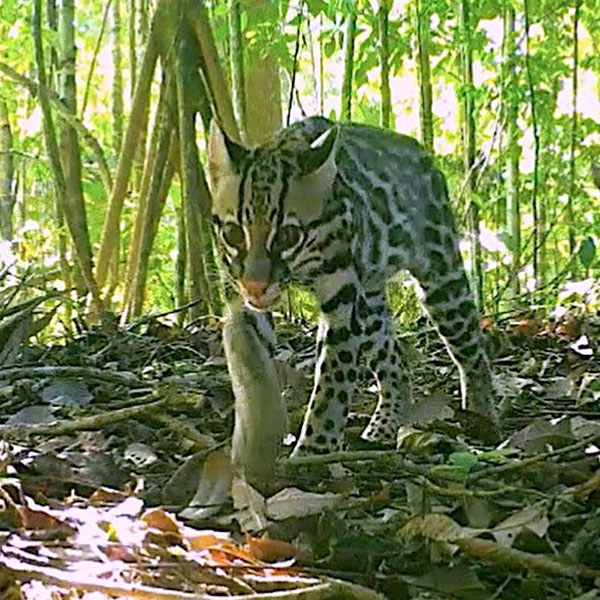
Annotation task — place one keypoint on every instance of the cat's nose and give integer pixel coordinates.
(254, 288)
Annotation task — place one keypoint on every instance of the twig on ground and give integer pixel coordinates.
(493, 472)
(85, 423)
(323, 459)
(201, 440)
(466, 493)
(517, 559)
(118, 377)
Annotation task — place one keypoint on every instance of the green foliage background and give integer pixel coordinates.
(321, 34)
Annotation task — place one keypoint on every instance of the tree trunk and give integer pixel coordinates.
(321, 69)
(61, 229)
(513, 150)
(469, 150)
(424, 73)
(384, 64)
(116, 98)
(141, 38)
(159, 190)
(263, 87)
(52, 19)
(294, 74)
(548, 133)
(349, 35)
(313, 60)
(7, 196)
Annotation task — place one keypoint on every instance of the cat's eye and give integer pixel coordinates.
(288, 236)
(233, 235)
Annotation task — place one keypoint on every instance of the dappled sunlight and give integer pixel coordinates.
(7, 255)
(30, 124)
(490, 240)
(527, 278)
(578, 288)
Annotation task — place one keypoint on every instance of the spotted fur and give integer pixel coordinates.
(340, 209)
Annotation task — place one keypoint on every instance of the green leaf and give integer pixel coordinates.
(315, 7)
(329, 47)
(464, 461)
(587, 252)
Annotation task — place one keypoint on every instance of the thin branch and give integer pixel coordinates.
(295, 63)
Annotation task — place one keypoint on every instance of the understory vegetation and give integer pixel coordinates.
(92, 119)
(117, 406)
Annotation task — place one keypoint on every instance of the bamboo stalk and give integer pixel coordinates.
(385, 109)
(236, 60)
(424, 74)
(469, 148)
(349, 34)
(214, 73)
(81, 251)
(512, 195)
(117, 82)
(7, 196)
(536, 145)
(150, 170)
(191, 183)
(110, 231)
(573, 144)
(152, 211)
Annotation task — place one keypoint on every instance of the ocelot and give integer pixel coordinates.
(339, 209)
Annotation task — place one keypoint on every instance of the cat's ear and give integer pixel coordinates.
(308, 192)
(224, 155)
(318, 153)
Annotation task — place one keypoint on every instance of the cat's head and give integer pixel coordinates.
(266, 203)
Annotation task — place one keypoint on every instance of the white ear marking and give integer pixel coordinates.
(322, 138)
(219, 161)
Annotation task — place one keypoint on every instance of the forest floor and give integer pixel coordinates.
(115, 481)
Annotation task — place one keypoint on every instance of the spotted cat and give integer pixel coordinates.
(339, 209)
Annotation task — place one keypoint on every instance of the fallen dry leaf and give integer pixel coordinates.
(160, 519)
(40, 520)
(269, 550)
